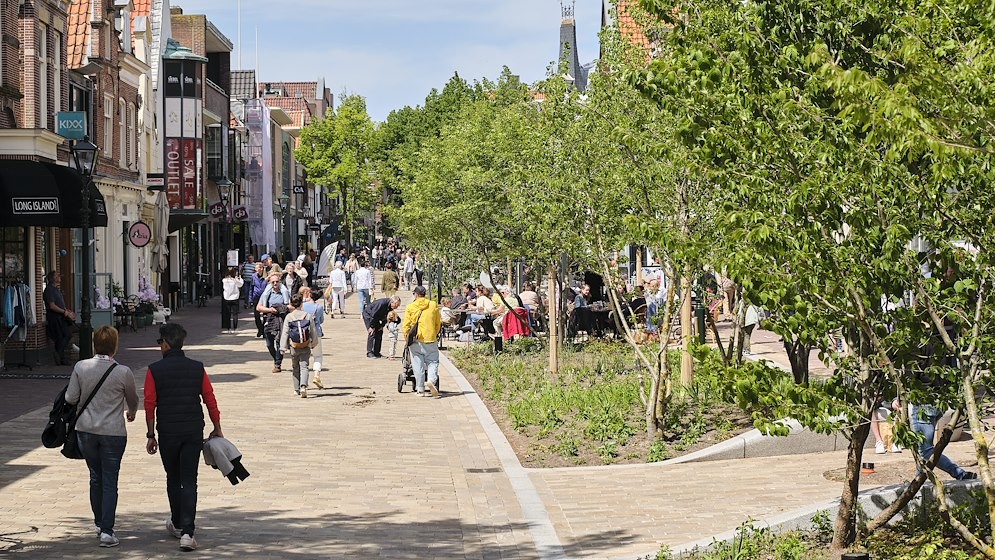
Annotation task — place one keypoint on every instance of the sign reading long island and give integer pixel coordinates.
(35, 205)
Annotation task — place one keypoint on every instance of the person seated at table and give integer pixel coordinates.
(583, 299)
(459, 301)
(637, 307)
(532, 302)
(485, 307)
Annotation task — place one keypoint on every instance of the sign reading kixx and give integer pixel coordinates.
(71, 124)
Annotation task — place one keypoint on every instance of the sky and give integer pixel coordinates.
(393, 52)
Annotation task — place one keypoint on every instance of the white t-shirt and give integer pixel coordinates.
(409, 265)
(363, 279)
(230, 287)
(484, 305)
(337, 278)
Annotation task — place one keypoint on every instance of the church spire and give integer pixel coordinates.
(569, 57)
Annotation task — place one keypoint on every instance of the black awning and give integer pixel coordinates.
(179, 219)
(47, 195)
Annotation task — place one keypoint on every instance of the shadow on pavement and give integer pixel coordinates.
(236, 533)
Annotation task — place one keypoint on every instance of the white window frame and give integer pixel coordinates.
(57, 70)
(132, 137)
(122, 132)
(41, 96)
(107, 147)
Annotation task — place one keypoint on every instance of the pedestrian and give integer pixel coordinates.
(293, 277)
(351, 266)
(248, 271)
(298, 343)
(336, 295)
(393, 332)
(750, 323)
(375, 318)
(408, 270)
(59, 319)
(313, 307)
(389, 283)
(363, 281)
(423, 314)
(259, 284)
(174, 389)
(269, 265)
(100, 427)
(273, 307)
(231, 286)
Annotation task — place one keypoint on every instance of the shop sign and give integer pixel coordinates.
(31, 206)
(217, 209)
(139, 234)
(70, 124)
(240, 214)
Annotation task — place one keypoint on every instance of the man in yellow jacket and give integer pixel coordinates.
(424, 350)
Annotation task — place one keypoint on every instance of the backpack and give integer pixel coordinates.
(59, 418)
(299, 331)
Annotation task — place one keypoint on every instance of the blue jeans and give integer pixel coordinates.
(103, 459)
(926, 425)
(364, 300)
(425, 355)
(272, 344)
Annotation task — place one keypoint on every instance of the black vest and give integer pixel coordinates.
(178, 384)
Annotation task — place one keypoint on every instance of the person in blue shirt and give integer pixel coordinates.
(257, 285)
(272, 306)
(314, 307)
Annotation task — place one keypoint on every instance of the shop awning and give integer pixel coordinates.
(46, 195)
(178, 219)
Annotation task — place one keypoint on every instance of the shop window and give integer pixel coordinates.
(14, 250)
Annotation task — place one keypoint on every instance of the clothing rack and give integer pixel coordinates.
(24, 343)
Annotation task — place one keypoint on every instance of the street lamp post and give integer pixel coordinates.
(85, 157)
(284, 215)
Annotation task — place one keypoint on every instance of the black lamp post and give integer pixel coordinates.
(85, 157)
(224, 191)
(285, 215)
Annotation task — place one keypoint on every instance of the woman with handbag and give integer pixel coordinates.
(104, 387)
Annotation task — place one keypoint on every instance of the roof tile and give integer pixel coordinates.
(79, 32)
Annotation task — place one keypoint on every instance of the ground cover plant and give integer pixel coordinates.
(590, 412)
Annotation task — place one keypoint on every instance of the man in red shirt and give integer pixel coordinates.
(174, 388)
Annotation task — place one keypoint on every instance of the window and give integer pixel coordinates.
(215, 161)
(122, 133)
(108, 146)
(132, 137)
(42, 92)
(14, 252)
(57, 71)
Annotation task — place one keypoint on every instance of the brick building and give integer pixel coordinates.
(40, 198)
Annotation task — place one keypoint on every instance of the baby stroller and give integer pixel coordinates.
(408, 373)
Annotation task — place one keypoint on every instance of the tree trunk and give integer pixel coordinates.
(687, 363)
(639, 265)
(845, 528)
(552, 324)
(798, 355)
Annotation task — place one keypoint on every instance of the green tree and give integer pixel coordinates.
(336, 151)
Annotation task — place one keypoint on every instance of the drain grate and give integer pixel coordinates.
(486, 470)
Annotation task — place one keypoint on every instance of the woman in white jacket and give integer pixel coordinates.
(231, 287)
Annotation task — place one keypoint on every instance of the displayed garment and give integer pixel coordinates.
(18, 310)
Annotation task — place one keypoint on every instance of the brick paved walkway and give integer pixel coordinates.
(361, 471)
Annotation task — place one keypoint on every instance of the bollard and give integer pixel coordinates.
(855, 556)
(866, 468)
(699, 314)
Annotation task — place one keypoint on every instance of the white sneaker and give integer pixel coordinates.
(108, 540)
(188, 543)
(303, 392)
(895, 448)
(97, 527)
(879, 448)
(172, 530)
(432, 388)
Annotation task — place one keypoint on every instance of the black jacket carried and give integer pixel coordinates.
(375, 314)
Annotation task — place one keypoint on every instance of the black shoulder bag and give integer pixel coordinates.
(413, 333)
(71, 449)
